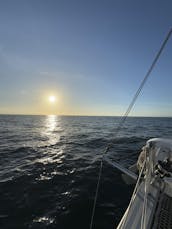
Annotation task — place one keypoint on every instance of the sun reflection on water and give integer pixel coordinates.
(52, 129)
(51, 122)
(51, 157)
(52, 152)
(44, 219)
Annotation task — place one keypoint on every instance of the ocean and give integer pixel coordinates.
(49, 168)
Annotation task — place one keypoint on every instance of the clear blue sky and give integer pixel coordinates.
(90, 54)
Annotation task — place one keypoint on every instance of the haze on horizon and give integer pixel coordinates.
(89, 55)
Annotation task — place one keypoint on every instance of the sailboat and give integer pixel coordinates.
(150, 206)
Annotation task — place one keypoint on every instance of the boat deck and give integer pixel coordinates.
(163, 218)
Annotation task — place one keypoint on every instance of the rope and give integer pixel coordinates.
(124, 117)
(143, 219)
(96, 194)
(134, 192)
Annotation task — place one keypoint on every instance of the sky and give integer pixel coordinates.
(90, 54)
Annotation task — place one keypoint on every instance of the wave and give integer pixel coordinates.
(52, 179)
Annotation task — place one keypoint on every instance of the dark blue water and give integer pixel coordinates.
(49, 167)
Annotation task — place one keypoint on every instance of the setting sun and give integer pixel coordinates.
(52, 99)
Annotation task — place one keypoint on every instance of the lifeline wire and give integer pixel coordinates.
(124, 117)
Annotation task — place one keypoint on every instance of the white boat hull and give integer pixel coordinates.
(153, 191)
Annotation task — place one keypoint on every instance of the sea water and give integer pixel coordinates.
(49, 168)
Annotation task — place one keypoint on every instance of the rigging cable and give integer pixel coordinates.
(124, 117)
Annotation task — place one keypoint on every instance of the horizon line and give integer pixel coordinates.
(80, 115)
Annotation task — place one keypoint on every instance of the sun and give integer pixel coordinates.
(52, 99)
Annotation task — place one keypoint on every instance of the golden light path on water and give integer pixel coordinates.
(51, 153)
(51, 122)
(52, 129)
